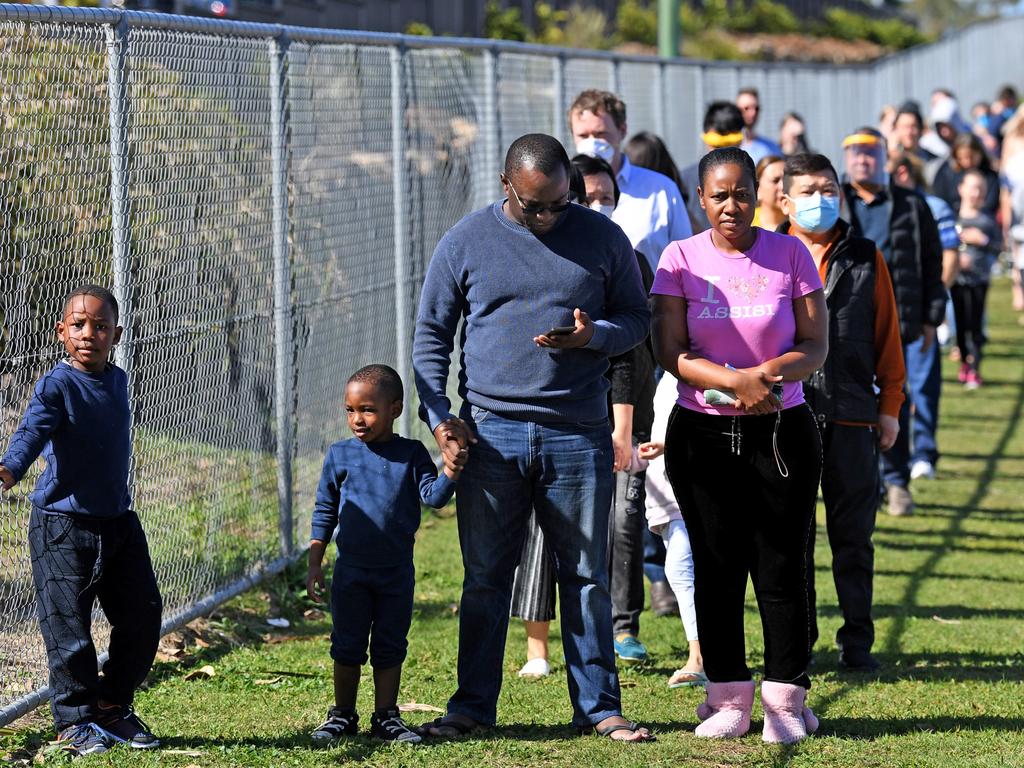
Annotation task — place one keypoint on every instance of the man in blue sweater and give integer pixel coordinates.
(534, 418)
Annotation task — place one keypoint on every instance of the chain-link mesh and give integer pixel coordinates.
(202, 357)
(638, 86)
(141, 153)
(343, 263)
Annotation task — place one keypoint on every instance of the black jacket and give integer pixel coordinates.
(914, 259)
(843, 388)
(632, 373)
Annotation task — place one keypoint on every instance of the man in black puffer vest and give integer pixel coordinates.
(864, 353)
(901, 225)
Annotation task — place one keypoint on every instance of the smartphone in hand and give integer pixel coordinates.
(562, 330)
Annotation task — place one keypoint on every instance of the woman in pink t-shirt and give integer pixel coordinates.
(741, 310)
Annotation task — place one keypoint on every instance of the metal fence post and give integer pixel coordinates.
(615, 78)
(121, 231)
(558, 116)
(400, 214)
(283, 348)
(660, 99)
(492, 124)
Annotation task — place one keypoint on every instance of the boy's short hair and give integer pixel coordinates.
(97, 292)
(596, 101)
(382, 377)
(806, 164)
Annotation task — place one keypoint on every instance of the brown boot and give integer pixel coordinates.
(663, 599)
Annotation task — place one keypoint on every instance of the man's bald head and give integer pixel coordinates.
(538, 152)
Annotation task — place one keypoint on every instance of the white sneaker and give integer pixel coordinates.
(535, 668)
(923, 469)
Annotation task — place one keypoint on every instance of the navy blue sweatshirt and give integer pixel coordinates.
(371, 492)
(511, 285)
(81, 424)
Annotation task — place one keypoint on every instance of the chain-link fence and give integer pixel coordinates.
(264, 201)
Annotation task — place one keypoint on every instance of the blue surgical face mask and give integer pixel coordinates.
(815, 213)
(596, 148)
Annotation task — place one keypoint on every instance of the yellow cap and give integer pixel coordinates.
(719, 140)
(861, 138)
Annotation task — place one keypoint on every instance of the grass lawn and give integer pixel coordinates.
(949, 606)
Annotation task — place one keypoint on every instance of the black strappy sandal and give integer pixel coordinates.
(460, 728)
(608, 730)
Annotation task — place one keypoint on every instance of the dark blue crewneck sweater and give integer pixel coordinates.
(511, 285)
(371, 492)
(81, 424)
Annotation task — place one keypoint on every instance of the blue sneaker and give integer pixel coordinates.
(630, 650)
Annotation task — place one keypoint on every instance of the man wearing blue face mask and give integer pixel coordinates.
(865, 356)
(651, 210)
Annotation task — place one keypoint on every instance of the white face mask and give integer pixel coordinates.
(596, 148)
(604, 210)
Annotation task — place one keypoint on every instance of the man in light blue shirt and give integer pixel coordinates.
(749, 102)
(651, 210)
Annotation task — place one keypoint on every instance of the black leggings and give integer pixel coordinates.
(747, 486)
(969, 311)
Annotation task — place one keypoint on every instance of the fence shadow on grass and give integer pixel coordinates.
(871, 728)
(908, 607)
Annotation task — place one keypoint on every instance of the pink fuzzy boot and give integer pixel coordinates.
(726, 712)
(786, 718)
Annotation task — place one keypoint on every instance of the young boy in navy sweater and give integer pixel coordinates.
(370, 490)
(85, 540)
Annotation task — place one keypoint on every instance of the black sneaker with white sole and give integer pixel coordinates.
(124, 726)
(339, 722)
(388, 724)
(84, 739)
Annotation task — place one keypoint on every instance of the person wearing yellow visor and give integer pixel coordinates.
(723, 127)
(902, 226)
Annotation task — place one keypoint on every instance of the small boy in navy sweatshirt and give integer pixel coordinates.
(85, 540)
(370, 490)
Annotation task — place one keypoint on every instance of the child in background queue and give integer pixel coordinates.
(979, 248)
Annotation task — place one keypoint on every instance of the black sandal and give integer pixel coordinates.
(446, 721)
(608, 730)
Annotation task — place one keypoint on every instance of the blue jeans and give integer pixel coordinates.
(564, 473)
(916, 440)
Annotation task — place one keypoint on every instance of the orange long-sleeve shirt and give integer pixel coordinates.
(890, 369)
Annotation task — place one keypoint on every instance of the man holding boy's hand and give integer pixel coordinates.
(534, 418)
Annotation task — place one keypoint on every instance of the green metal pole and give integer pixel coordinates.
(668, 28)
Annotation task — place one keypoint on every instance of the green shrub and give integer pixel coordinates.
(504, 24)
(636, 22)
(890, 33)
(762, 16)
(418, 29)
(712, 45)
(549, 24)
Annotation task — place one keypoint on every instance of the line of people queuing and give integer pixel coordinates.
(659, 369)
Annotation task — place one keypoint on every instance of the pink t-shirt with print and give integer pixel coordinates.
(739, 307)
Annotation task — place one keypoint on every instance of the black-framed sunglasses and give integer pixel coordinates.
(533, 209)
